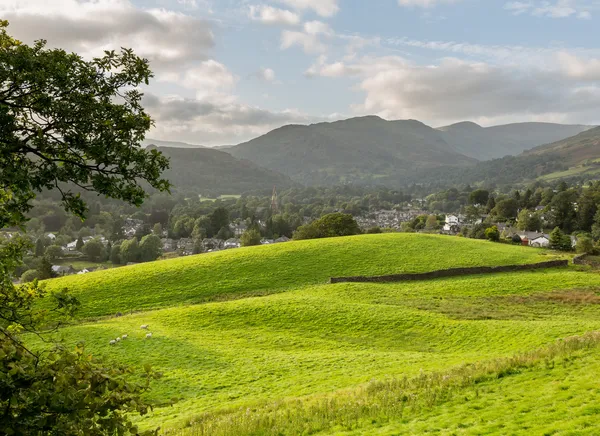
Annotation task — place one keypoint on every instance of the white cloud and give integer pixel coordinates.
(454, 90)
(324, 8)
(317, 28)
(424, 3)
(309, 43)
(267, 74)
(215, 121)
(89, 27)
(274, 16)
(208, 78)
(552, 9)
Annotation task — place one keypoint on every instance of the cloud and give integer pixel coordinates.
(551, 9)
(454, 89)
(212, 121)
(324, 8)
(424, 3)
(309, 43)
(267, 74)
(89, 27)
(208, 78)
(273, 16)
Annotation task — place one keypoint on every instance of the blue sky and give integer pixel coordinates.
(229, 70)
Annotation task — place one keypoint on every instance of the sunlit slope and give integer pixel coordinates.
(322, 339)
(269, 269)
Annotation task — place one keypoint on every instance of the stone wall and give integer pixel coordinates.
(453, 272)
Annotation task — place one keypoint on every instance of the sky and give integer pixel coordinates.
(226, 71)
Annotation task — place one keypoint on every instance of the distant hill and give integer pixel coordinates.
(574, 157)
(149, 141)
(215, 170)
(358, 150)
(485, 143)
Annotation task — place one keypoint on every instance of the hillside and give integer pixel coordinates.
(358, 150)
(486, 143)
(307, 357)
(217, 171)
(267, 269)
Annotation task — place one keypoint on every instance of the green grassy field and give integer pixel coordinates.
(278, 351)
(268, 269)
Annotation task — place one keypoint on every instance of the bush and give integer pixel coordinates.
(585, 245)
(374, 230)
(250, 237)
(492, 234)
(328, 226)
(54, 252)
(29, 276)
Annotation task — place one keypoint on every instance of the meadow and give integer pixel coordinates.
(274, 349)
(264, 270)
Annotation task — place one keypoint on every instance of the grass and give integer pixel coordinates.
(322, 339)
(270, 269)
(274, 350)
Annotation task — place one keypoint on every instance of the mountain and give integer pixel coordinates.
(575, 150)
(575, 157)
(485, 143)
(358, 150)
(148, 141)
(217, 171)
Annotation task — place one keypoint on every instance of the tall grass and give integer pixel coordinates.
(379, 401)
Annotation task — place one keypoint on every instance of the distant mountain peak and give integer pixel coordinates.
(463, 125)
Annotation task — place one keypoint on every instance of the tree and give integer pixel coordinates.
(130, 251)
(79, 243)
(331, 225)
(224, 234)
(491, 204)
(528, 220)
(431, 223)
(560, 241)
(479, 196)
(250, 237)
(218, 219)
(94, 250)
(53, 253)
(65, 123)
(115, 255)
(492, 234)
(563, 211)
(39, 247)
(45, 269)
(585, 245)
(150, 248)
(506, 209)
(30, 275)
(157, 230)
(516, 239)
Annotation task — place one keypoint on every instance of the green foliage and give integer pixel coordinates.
(150, 248)
(585, 245)
(528, 220)
(79, 243)
(39, 247)
(57, 108)
(492, 234)
(479, 196)
(560, 241)
(94, 250)
(30, 275)
(130, 251)
(506, 209)
(53, 253)
(115, 255)
(45, 269)
(219, 219)
(331, 225)
(250, 238)
(374, 230)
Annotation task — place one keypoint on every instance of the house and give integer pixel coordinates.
(60, 270)
(186, 246)
(239, 229)
(453, 223)
(168, 245)
(282, 239)
(83, 271)
(266, 241)
(51, 236)
(232, 243)
(540, 242)
(71, 246)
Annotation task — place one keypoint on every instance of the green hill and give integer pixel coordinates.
(213, 170)
(268, 269)
(358, 150)
(485, 143)
(277, 351)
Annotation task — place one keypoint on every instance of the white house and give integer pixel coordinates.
(51, 236)
(452, 223)
(540, 242)
(232, 243)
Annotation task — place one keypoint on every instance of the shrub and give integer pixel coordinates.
(29, 276)
(492, 234)
(585, 245)
(250, 237)
(331, 225)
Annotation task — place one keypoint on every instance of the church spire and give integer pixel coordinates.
(274, 205)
